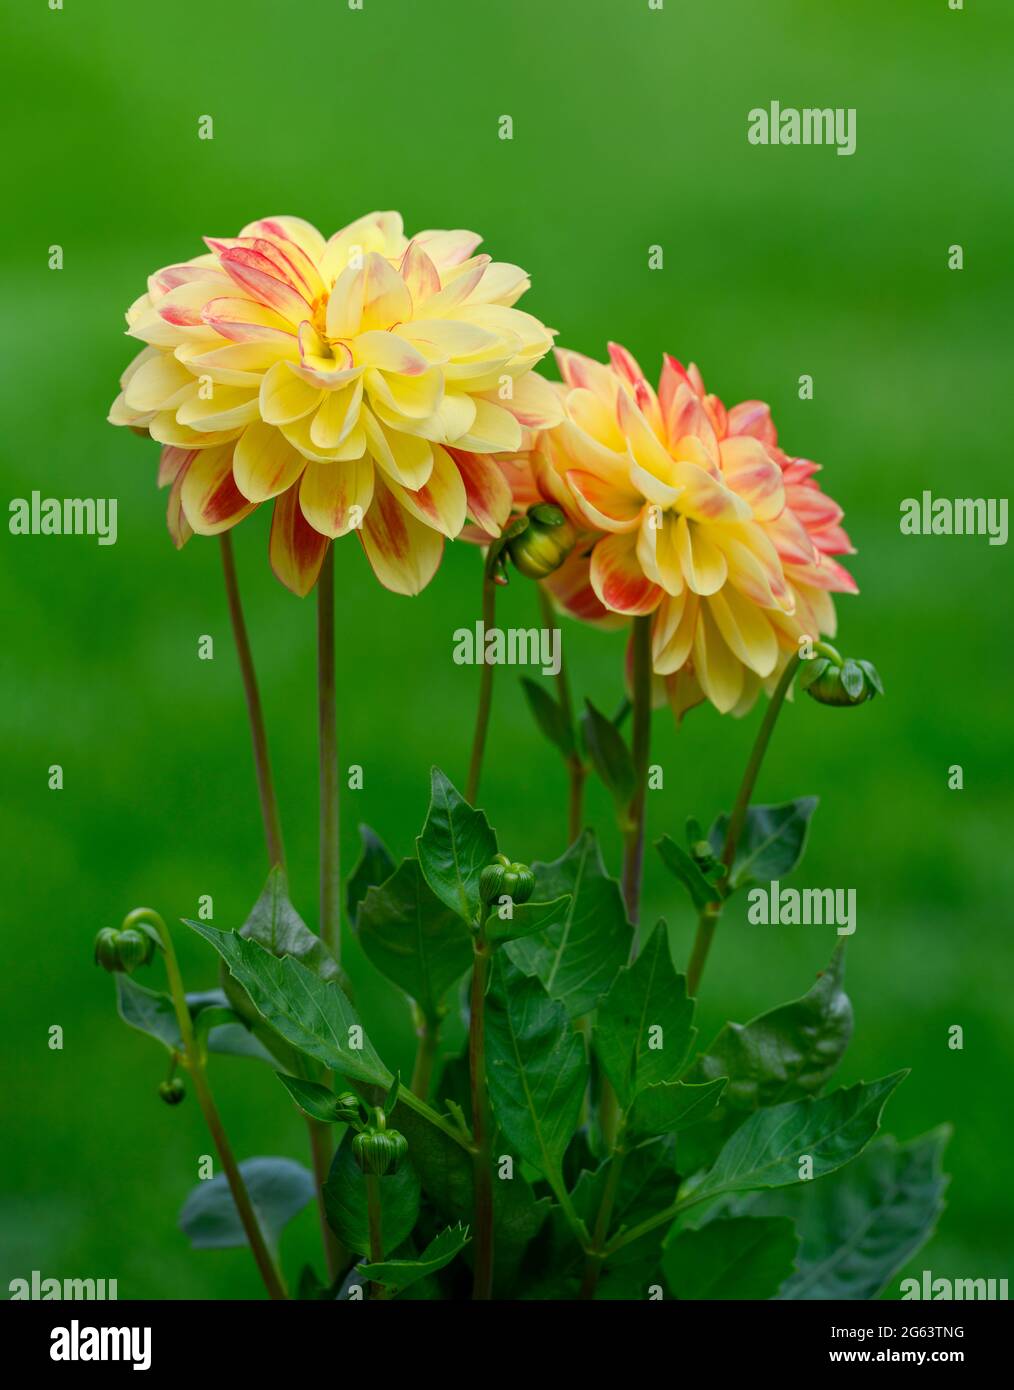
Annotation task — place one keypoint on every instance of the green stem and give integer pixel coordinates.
(482, 1286)
(327, 725)
(711, 913)
(595, 1259)
(269, 1272)
(262, 762)
(576, 770)
(373, 1210)
(633, 858)
(485, 690)
(428, 1035)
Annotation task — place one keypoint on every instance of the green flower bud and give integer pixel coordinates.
(172, 1092)
(379, 1151)
(118, 951)
(846, 683)
(348, 1107)
(504, 879)
(544, 544)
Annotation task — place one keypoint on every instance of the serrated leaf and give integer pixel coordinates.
(448, 1178)
(279, 1189)
(673, 1105)
(375, 866)
(644, 1029)
(578, 955)
(786, 1053)
(455, 846)
(526, 919)
(313, 1099)
(609, 754)
(397, 1275)
(276, 925)
(741, 1258)
(766, 1150)
(345, 1202)
(536, 1067)
(548, 716)
(862, 1224)
(148, 1011)
(413, 938)
(688, 871)
(311, 1014)
(772, 842)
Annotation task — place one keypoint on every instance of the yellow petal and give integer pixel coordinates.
(335, 497)
(211, 500)
(746, 630)
(337, 416)
(404, 553)
(285, 397)
(265, 463)
(442, 502)
(717, 669)
(703, 564)
(404, 457)
(296, 550)
(226, 408)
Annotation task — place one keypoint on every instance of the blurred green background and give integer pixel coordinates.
(629, 131)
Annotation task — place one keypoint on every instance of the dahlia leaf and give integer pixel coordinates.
(148, 1011)
(311, 1014)
(609, 754)
(397, 1275)
(549, 716)
(671, 1106)
(536, 1067)
(579, 953)
(413, 938)
(375, 866)
(686, 869)
(787, 1052)
(279, 1189)
(276, 925)
(863, 1223)
(775, 1146)
(526, 919)
(771, 844)
(645, 1030)
(455, 846)
(742, 1257)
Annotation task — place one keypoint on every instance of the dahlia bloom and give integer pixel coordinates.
(361, 382)
(691, 513)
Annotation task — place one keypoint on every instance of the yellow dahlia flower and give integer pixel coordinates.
(693, 514)
(359, 381)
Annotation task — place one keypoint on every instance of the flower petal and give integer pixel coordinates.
(617, 577)
(286, 397)
(442, 502)
(488, 494)
(405, 553)
(295, 549)
(265, 463)
(717, 669)
(335, 497)
(211, 500)
(703, 563)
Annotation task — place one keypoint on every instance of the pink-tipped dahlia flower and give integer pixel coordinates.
(360, 381)
(691, 513)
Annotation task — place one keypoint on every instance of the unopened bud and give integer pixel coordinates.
(544, 543)
(379, 1151)
(172, 1092)
(504, 879)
